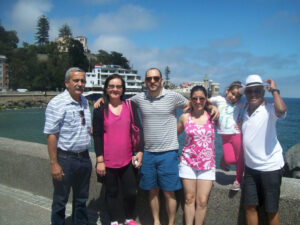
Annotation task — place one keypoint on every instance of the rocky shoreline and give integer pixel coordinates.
(23, 104)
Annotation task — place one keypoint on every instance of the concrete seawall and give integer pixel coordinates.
(25, 165)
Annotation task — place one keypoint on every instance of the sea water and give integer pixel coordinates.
(27, 124)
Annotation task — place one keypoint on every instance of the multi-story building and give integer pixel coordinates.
(62, 45)
(212, 88)
(83, 41)
(4, 79)
(95, 80)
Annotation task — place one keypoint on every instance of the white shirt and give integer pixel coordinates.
(229, 115)
(262, 150)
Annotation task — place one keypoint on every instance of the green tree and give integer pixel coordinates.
(103, 57)
(65, 31)
(8, 42)
(167, 72)
(114, 58)
(42, 34)
(23, 67)
(76, 55)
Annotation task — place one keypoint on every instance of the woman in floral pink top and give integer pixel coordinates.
(197, 162)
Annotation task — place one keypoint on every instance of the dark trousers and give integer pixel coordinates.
(77, 169)
(127, 178)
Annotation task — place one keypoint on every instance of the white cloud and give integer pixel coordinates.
(25, 14)
(127, 19)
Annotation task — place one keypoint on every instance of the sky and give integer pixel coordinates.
(225, 40)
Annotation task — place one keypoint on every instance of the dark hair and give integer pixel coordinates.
(234, 84)
(153, 69)
(199, 88)
(105, 95)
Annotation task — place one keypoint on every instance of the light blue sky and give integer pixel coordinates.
(225, 39)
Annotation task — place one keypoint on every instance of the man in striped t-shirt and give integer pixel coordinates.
(68, 126)
(160, 162)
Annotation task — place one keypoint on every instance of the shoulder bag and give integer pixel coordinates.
(134, 130)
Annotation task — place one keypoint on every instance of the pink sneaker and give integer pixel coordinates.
(130, 222)
(236, 186)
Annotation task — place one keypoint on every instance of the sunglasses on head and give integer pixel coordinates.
(201, 99)
(255, 91)
(156, 79)
(81, 113)
(111, 86)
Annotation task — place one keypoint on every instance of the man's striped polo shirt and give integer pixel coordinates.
(63, 118)
(159, 119)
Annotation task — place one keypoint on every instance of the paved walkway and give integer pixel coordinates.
(19, 207)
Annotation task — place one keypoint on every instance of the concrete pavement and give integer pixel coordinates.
(18, 207)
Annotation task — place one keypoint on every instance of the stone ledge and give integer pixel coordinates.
(25, 165)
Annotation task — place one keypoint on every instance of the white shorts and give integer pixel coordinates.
(192, 173)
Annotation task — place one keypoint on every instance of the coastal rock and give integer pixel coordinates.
(292, 162)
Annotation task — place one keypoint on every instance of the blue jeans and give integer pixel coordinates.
(77, 170)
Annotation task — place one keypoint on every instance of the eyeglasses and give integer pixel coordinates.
(111, 86)
(256, 91)
(81, 113)
(201, 99)
(156, 79)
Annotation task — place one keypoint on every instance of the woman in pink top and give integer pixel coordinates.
(113, 148)
(197, 162)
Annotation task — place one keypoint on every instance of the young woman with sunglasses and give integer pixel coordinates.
(113, 147)
(197, 162)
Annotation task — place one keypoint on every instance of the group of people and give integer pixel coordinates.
(249, 141)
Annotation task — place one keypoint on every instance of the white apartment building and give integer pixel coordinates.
(95, 80)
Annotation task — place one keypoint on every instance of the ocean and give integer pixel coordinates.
(27, 125)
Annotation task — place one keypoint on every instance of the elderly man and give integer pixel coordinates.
(262, 150)
(68, 126)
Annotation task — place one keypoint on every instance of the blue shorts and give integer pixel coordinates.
(160, 170)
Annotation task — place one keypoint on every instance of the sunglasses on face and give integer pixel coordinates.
(81, 113)
(156, 79)
(256, 91)
(201, 99)
(111, 86)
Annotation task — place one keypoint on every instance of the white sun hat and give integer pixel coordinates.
(251, 81)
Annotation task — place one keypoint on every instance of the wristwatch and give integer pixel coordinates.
(273, 90)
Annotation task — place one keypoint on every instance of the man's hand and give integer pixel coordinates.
(101, 169)
(56, 171)
(137, 158)
(98, 102)
(187, 106)
(214, 112)
(272, 84)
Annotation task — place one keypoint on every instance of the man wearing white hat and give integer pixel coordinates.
(262, 150)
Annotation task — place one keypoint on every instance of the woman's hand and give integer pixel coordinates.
(137, 160)
(101, 169)
(98, 102)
